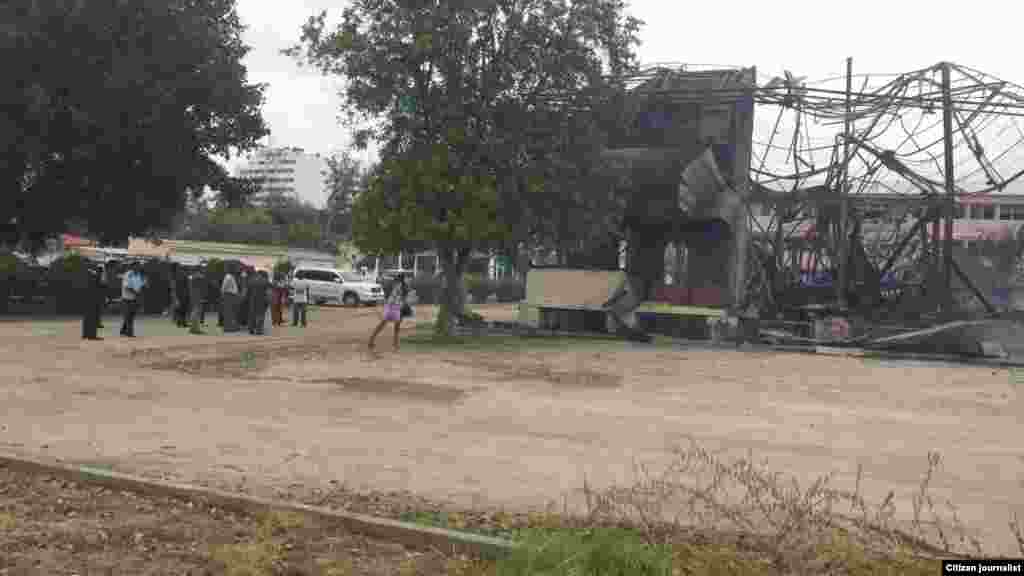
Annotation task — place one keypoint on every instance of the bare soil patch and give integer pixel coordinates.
(52, 526)
(395, 388)
(523, 368)
(539, 419)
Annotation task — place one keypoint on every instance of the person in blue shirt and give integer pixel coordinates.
(131, 289)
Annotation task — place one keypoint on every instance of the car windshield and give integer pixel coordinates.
(351, 277)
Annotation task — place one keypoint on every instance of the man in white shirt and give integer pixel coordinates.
(229, 302)
(131, 288)
(300, 298)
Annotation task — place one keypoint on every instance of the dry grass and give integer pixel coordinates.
(7, 521)
(737, 517)
(264, 555)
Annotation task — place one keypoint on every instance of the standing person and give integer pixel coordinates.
(173, 288)
(268, 316)
(393, 308)
(243, 298)
(277, 302)
(109, 285)
(131, 289)
(101, 295)
(196, 285)
(229, 301)
(264, 303)
(258, 300)
(181, 313)
(300, 299)
(212, 295)
(204, 291)
(90, 316)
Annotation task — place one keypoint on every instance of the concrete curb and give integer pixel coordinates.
(408, 534)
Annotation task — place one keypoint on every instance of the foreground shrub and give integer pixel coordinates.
(601, 551)
(797, 529)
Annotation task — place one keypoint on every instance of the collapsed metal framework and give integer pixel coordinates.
(931, 138)
(832, 148)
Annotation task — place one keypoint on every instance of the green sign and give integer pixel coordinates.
(406, 104)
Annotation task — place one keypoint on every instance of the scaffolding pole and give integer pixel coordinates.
(950, 204)
(844, 187)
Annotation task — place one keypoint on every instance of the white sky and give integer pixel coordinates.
(809, 38)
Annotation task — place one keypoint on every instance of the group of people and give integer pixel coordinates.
(245, 298)
(249, 300)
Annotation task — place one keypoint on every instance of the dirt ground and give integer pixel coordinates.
(52, 526)
(308, 414)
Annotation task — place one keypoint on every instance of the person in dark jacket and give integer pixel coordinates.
(101, 295)
(181, 288)
(243, 297)
(90, 309)
(196, 287)
(258, 301)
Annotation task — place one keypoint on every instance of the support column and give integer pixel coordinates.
(844, 190)
(950, 204)
(742, 132)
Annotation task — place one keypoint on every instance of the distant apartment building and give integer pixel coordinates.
(288, 172)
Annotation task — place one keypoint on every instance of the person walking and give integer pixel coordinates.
(90, 309)
(394, 306)
(131, 289)
(196, 286)
(229, 302)
(300, 300)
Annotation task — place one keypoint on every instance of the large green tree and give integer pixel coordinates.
(481, 110)
(110, 110)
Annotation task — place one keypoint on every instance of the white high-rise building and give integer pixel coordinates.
(290, 172)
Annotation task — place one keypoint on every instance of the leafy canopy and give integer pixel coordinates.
(111, 110)
(421, 201)
(492, 89)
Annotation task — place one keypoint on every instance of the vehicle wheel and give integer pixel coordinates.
(319, 301)
(350, 299)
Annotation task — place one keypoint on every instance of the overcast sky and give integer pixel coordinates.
(808, 38)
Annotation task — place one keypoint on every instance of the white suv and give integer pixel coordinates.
(331, 285)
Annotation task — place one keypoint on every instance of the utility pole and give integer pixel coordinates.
(950, 204)
(844, 188)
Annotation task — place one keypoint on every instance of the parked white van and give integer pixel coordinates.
(332, 285)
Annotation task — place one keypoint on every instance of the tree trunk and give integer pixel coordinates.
(453, 302)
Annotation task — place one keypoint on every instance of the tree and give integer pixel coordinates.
(110, 110)
(346, 178)
(235, 192)
(467, 99)
(396, 214)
